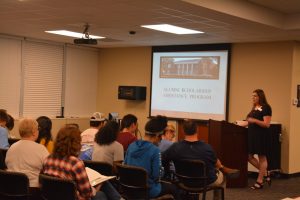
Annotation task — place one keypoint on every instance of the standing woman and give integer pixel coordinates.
(259, 120)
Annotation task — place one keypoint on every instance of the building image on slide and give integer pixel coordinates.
(202, 67)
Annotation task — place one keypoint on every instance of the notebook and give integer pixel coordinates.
(95, 177)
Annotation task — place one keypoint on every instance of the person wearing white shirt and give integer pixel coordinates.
(26, 155)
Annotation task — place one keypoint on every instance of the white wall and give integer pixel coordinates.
(81, 82)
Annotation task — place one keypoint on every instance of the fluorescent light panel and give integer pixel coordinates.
(73, 34)
(172, 29)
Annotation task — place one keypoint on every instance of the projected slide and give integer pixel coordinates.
(189, 84)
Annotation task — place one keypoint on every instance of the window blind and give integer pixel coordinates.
(10, 75)
(42, 79)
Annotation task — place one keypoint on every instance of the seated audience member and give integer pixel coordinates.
(88, 136)
(96, 122)
(26, 155)
(106, 148)
(192, 148)
(3, 130)
(74, 125)
(129, 126)
(10, 124)
(167, 141)
(167, 138)
(45, 136)
(63, 163)
(146, 154)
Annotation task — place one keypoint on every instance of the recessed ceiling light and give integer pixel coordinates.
(171, 29)
(73, 34)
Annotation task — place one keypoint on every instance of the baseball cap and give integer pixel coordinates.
(97, 117)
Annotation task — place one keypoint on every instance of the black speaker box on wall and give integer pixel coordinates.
(132, 92)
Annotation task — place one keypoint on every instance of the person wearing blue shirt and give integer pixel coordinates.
(3, 130)
(167, 138)
(165, 143)
(146, 154)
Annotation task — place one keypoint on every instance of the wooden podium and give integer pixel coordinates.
(230, 144)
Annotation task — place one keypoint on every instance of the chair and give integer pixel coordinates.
(2, 158)
(134, 184)
(192, 178)
(53, 188)
(11, 141)
(99, 166)
(14, 185)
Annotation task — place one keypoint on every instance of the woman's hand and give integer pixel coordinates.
(97, 187)
(265, 123)
(251, 120)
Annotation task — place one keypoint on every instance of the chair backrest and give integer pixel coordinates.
(133, 181)
(54, 188)
(99, 166)
(13, 185)
(12, 140)
(191, 173)
(2, 158)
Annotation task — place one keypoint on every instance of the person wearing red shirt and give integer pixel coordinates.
(129, 127)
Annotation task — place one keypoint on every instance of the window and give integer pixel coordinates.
(10, 75)
(38, 78)
(42, 79)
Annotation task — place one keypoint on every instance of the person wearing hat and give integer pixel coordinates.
(146, 154)
(88, 136)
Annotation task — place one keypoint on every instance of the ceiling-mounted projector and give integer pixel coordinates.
(85, 37)
(85, 41)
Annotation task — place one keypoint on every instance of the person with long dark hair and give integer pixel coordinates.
(45, 136)
(259, 119)
(107, 149)
(10, 122)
